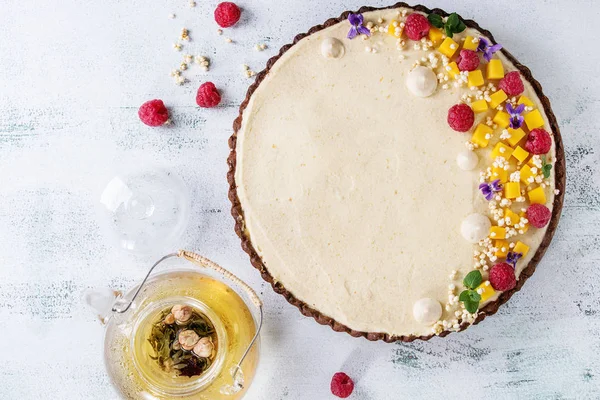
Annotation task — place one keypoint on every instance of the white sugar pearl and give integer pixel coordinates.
(475, 227)
(427, 311)
(332, 48)
(421, 81)
(467, 160)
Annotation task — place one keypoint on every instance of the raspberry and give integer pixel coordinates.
(502, 277)
(208, 96)
(538, 142)
(538, 215)
(512, 84)
(461, 117)
(341, 385)
(153, 113)
(468, 60)
(416, 26)
(227, 14)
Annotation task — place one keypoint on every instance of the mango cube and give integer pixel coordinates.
(498, 232)
(512, 190)
(495, 70)
(501, 150)
(470, 43)
(515, 136)
(482, 135)
(520, 154)
(521, 248)
(475, 78)
(513, 217)
(537, 196)
(502, 119)
(486, 291)
(395, 29)
(497, 98)
(448, 47)
(502, 246)
(534, 119)
(452, 69)
(525, 100)
(479, 106)
(435, 35)
(526, 174)
(500, 173)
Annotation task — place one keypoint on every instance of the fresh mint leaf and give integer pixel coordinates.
(453, 21)
(464, 296)
(473, 279)
(470, 299)
(546, 168)
(448, 31)
(435, 20)
(471, 306)
(474, 296)
(453, 24)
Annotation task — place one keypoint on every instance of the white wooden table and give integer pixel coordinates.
(73, 74)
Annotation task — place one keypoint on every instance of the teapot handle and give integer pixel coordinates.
(236, 372)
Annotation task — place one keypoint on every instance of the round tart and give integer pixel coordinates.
(395, 174)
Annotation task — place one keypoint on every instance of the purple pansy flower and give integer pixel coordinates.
(516, 119)
(512, 258)
(356, 20)
(487, 49)
(488, 189)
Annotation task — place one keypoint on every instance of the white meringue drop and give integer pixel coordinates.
(467, 160)
(332, 48)
(421, 81)
(475, 227)
(427, 311)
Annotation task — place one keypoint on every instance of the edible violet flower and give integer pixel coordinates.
(488, 189)
(516, 119)
(487, 49)
(512, 258)
(356, 20)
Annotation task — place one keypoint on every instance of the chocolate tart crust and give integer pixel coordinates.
(491, 308)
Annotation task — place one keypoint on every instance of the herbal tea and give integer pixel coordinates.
(184, 341)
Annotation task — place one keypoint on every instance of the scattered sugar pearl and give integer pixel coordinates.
(228, 40)
(219, 31)
(192, 4)
(172, 16)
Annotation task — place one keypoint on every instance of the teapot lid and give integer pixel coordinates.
(144, 210)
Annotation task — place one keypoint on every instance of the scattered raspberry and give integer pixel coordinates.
(153, 113)
(538, 215)
(461, 117)
(512, 84)
(538, 142)
(502, 277)
(468, 60)
(341, 385)
(208, 96)
(416, 27)
(227, 14)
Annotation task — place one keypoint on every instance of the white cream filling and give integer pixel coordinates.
(349, 183)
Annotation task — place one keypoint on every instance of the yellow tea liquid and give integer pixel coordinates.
(128, 359)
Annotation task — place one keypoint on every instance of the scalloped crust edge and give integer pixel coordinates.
(491, 308)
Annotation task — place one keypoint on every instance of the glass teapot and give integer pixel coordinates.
(184, 333)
